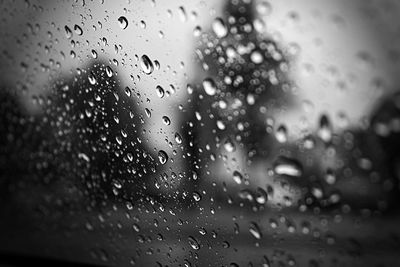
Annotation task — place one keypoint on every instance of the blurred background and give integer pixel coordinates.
(201, 133)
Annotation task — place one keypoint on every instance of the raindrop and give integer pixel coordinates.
(148, 112)
(330, 177)
(255, 230)
(281, 134)
(92, 79)
(146, 64)
(325, 129)
(78, 30)
(182, 13)
(166, 120)
(193, 243)
(209, 86)
(229, 145)
(157, 64)
(162, 157)
(237, 177)
(246, 195)
(109, 71)
(221, 125)
(189, 89)
(264, 8)
(202, 231)
(288, 167)
(160, 91)
(256, 57)
(178, 138)
(123, 22)
(219, 28)
(197, 31)
(309, 142)
(225, 244)
(196, 196)
(68, 32)
(94, 54)
(261, 196)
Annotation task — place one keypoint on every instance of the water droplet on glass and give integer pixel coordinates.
(160, 91)
(237, 177)
(178, 138)
(146, 64)
(225, 244)
(166, 120)
(309, 142)
(68, 32)
(325, 130)
(221, 125)
(288, 167)
(263, 8)
(157, 64)
(94, 54)
(109, 71)
(256, 57)
(196, 196)
(123, 22)
(246, 195)
(142, 24)
(162, 157)
(281, 134)
(330, 177)
(219, 28)
(92, 79)
(148, 112)
(261, 196)
(182, 13)
(209, 86)
(197, 31)
(255, 230)
(229, 145)
(78, 30)
(193, 243)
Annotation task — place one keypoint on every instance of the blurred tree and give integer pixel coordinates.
(242, 87)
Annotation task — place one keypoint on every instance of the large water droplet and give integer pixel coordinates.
(237, 177)
(178, 138)
(219, 28)
(256, 57)
(146, 64)
(92, 79)
(255, 230)
(193, 243)
(325, 129)
(166, 120)
(229, 145)
(68, 32)
(109, 71)
(288, 167)
(261, 196)
(160, 91)
(246, 195)
(263, 8)
(162, 157)
(182, 13)
(78, 30)
(123, 22)
(281, 134)
(209, 86)
(196, 196)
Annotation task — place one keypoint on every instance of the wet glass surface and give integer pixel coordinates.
(200, 133)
